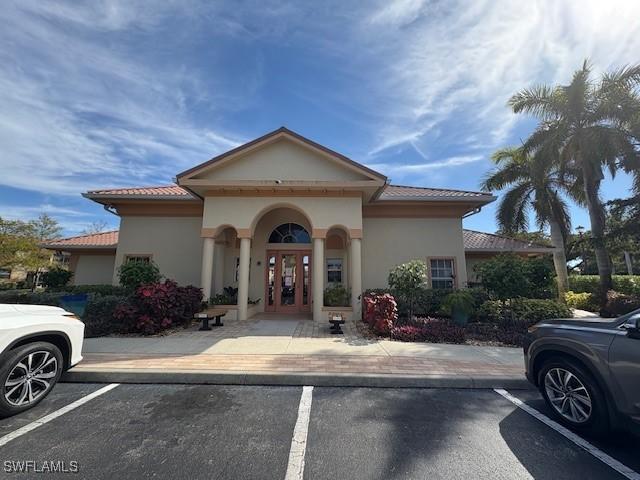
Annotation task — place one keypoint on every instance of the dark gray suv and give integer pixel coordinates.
(588, 371)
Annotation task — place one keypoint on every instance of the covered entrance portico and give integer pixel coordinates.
(277, 212)
(279, 263)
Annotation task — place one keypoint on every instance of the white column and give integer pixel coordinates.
(207, 267)
(218, 269)
(318, 278)
(243, 278)
(355, 256)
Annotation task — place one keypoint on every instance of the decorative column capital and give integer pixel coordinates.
(243, 233)
(319, 233)
(209, 232)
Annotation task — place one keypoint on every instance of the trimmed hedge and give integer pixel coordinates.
(97, 289)
(428, 301)
(627, 284)
(33, 298)
(522, 312)
(434, 330)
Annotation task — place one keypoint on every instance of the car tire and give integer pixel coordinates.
(581, 386)
(27, 375)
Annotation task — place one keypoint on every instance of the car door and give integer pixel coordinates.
(624, 363)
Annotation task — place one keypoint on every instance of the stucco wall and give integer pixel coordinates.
(174, 243)
(282, 160)
(388, 242)
(93, 270)
(245, 212)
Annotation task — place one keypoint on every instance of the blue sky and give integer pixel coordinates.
(127, 93)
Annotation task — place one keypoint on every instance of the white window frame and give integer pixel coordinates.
(334, 269)
(433, 278)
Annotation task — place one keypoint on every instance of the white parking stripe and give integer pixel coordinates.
(582, 443)
(47, 418)
(295, 469)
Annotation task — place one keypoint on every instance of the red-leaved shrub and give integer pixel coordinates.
(380, 311)
(432, 330)
(158, 306)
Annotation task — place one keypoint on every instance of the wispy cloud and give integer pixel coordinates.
(81, 110)
(461, 61)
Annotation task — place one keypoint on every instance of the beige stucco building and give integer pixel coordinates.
(281, 218)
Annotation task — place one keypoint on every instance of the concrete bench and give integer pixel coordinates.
(210, 314)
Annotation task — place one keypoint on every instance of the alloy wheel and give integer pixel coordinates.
(30, 378)
(568, 395)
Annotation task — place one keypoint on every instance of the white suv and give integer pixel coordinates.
(37, 343)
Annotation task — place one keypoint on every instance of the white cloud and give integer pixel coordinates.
(81, 111)
(459, 62)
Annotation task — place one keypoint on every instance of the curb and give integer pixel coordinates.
(191, 377)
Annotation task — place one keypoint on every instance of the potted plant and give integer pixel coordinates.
(459, 305)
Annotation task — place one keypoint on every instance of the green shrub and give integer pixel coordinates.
(581, 301)
(56, 277)
(522, 312)
(337, 295)
(459, 305)
(627, 284)
(510, 276)
(134, 274)
(8, 286)
(407, 280)
(98, 316)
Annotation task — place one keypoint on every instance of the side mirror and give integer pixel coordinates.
(632, 326)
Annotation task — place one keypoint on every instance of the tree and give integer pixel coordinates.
(407, 280)
(95, 227)
(534, 184)
(45, 228)
(592, 126)
(20, 242)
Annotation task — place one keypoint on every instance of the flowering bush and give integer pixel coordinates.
(158, 306)
(380, 311)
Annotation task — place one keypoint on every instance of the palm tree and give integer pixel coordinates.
(534, 183)
(592, 126)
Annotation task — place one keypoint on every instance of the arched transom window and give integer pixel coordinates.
(290, 233)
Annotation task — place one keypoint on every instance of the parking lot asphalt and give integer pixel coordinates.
(210, 431)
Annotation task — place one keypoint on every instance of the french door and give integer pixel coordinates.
(288, 281)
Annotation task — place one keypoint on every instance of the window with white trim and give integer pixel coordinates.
(442, 272)
(334, 270)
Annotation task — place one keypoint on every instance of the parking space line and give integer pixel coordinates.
(295, 469)
(579, 441)
(53, 415)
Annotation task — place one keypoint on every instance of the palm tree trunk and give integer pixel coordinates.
(597, 218)
(559, 258)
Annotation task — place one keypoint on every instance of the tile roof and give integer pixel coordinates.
(489, 242)
(161, 191)
(402, 192)
(94, 240)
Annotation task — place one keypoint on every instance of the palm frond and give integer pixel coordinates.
(625, 77)
(541, 101)
(512, 213)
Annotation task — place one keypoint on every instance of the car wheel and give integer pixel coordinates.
(573, 396)
(27, 375)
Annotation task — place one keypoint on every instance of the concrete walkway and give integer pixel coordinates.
(271, 352)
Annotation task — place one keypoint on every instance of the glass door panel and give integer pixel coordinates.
(271, 280)
(305, 281)
(288, 279)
